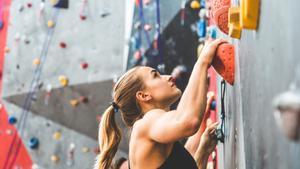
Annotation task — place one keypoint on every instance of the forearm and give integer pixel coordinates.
(201, 158)
(193, 100)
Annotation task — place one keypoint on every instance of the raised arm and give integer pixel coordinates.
(166, 127)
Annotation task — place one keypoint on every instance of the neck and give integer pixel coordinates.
(147, 107)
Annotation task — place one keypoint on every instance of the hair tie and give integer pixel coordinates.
(115, 106)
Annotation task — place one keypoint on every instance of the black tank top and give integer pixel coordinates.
(179, 158)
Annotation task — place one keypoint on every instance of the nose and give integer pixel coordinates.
(170, 78)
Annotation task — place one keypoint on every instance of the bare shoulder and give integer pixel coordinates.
(143, 125)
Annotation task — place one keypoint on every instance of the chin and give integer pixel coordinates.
(177, 95)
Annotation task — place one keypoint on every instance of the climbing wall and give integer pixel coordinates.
(267, 63)
(59, 68)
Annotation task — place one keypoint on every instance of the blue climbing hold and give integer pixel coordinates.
(212, 32)
(213, 105)
(12, 119)
(62, 4)
(33, 143)
(201, 28)
(202, 3)
(1, 25)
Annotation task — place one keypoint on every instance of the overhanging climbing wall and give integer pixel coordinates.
(79, 52)
(267, 62)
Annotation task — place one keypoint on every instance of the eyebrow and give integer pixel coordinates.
(153, 71)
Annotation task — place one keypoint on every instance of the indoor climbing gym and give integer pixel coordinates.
(149, 84)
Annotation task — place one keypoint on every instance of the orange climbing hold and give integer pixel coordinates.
(219, 10)
(223, 62)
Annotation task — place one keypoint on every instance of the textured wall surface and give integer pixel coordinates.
(98, 40)
(267, 61)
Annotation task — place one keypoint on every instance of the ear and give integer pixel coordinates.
(143, 96)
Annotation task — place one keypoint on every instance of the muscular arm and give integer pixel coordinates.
(186, 119)
(193, 142)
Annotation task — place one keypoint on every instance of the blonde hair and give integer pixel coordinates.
(109, 133)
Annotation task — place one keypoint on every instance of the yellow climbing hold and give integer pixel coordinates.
(74, 102)
(53, 2)
(195, 4)
(249, 14)
(55, 158)
(36, 61)
(85, 149)
(234, 15)
(57, 135)
(63, 80)
(50, 24)
(235, 31)
(234, 25)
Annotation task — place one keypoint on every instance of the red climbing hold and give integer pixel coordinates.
(83, 17)
(29, 5)
(63, 45)
(84, 65)
(219, 9)
(223, 62)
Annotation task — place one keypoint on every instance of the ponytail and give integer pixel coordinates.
(109, 138)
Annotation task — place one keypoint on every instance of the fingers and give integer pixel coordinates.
(217, 42)
(211, 128)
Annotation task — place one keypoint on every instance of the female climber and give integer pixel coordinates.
(143, 97)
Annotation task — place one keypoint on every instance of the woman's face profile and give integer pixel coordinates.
(162, 88)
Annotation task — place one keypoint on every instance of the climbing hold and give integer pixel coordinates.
(82, 17)
(84, 65)
(56, 135)
(1, 24)
(202, 13)
(235, 28)
(104, 14)
(85, 149)
(201, 24)
(17, 37)
(137, 25)
(234, 15)
(195, 4)
(83, 99)
(213, 105)
(33, 143)
(29, 5)
(147, 27)
(137, 55)
(34, 166)
(98, 117)
(60, 3)
(12, 119)
(6, 49)
(219, 10)
(36, 61)
(74, 102)
(96, 150)
(146, 2)
(223, 62)
(21, 8)
(235, 31)
(178, 71)
(54, 158)
(9, 132)
(50, 24)
(63, 45)
(212, 32)
(63, 80)
(249, 14)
